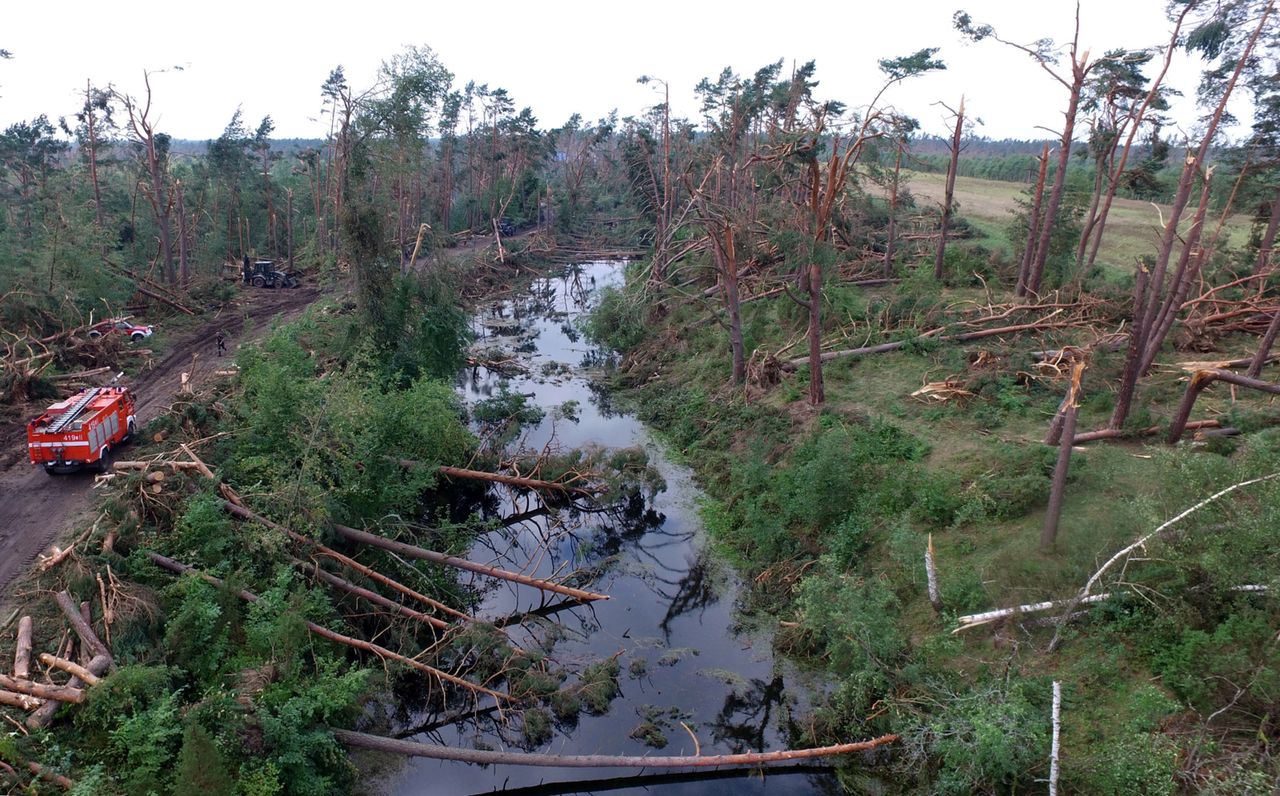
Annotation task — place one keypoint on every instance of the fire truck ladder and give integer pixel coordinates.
(66, 418)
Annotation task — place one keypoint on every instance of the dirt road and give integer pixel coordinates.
(36, 510)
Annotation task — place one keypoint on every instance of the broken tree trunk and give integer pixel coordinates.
(245, 514)
(372, 597)
(22, 652)
(487, 757)
(44, 715)
(794, 364)
(1202, 379)
(1057, 733)
(986, 617)
(1084, 596)
(324, 632)
(948, 195)
(88, 639)
(511, 480)
(410, 551)
(42, 690)
(931, 574)
(1057, 493)
(1268, 340)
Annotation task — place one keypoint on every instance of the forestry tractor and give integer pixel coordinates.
(264, 274)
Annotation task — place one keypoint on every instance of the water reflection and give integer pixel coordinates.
(670, 623)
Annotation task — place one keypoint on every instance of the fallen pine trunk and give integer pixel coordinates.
(372, 597)
(510, 480)
(461, 563)
(1200, 380)
(42, 690)
(88, 639)
(486, 757)
(1150, 431)
(245, 514)
(794, 364)
(324, 632)
(973, 620)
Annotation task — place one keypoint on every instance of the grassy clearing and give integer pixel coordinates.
(1133, 226)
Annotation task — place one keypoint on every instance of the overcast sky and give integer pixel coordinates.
(270, 58)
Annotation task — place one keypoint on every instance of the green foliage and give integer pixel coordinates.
(618, 320)
(134, 717)
(989, 738)
(852, 624)
(201, 770)
(199, 628)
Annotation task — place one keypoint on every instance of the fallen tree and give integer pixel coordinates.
(488, 757)
(411, 551)
(179, 568)
(1200, 380)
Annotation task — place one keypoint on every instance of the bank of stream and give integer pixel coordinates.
(689, 666)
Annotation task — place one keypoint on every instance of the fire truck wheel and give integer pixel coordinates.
(103, 464)
(128, 434)
(49, 471)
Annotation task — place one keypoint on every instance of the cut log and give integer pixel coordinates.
(42, 690)
(410, 551)
(87, 677)
(20, 701)
(45, 713)
(360, 644)
(487, 757)
(87, 637)
(22, 652)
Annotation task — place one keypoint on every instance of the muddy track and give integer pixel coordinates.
(36, 509)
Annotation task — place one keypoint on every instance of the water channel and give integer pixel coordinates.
(690, 665)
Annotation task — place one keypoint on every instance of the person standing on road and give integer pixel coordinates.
(221, 340)
(248, 270)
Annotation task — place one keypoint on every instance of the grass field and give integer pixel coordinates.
(1133, 227)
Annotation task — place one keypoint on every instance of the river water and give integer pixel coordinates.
(690, 665)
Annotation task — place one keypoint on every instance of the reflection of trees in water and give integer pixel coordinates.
(696, 591)
(744, 718)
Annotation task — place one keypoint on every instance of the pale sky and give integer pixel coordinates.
(555, 57)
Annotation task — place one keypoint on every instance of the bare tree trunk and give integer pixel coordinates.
(1133, 356)
(1033, 224)
(734, 307)
(891, 236)
(1202, 379)
(1189, 262)
(949, 193)
(1264, 347)
(184, 269)
(817, 391)
(490, 757)
(1057, 493)
(1036, 271)
(1263, 264)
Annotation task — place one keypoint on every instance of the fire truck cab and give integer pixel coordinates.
(80, 431)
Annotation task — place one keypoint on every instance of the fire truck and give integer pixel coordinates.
(81, 431)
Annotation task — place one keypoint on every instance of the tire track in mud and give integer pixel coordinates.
(36, 509)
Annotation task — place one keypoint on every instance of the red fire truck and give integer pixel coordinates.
(81, 431)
